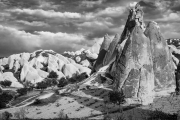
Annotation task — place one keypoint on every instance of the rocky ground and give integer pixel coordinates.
(91, 104)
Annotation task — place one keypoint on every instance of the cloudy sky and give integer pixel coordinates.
(68, 25)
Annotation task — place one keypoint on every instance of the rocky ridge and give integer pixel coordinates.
(35, 67)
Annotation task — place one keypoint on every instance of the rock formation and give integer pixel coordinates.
(111, 52)
(35, 67)
(162, 60)
(137, 70)
(102, 53)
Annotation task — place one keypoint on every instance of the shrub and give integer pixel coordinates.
(53, 74)
(22, 91)
(51, 82)
(159, 115)
(37, 101)
(62, 82)
(21, 114)
(72, 80)
(56, 92)
(5, 98)
(5, 116)
(82, 76)
(41, 85)
(116, 97)
(45, 54)
(6, 83)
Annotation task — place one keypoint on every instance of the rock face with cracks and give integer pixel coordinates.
(137, 70)
(162, 59)
(102, 53)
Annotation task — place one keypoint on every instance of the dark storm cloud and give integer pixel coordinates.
(67, 25)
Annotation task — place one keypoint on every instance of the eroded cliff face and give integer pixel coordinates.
(143, 64)
(162, 59)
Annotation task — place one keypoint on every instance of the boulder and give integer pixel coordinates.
(162, 59)
(69, 70)
(78, 59)
(85, 63)
(9, 76)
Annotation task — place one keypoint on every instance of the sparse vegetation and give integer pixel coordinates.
(78, 78)
(42, 85)
(62, 82)
(159, 115)
(45, 54)
(53, 74)
(22, 91)
(117, 97)
(6, 83)
(37, 102)
(5, 98)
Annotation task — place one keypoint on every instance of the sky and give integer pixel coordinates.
(69, 25)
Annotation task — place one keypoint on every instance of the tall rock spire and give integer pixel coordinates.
(145, 64)
(133, 72)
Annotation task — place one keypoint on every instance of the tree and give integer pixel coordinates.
(117, 97)
(6, 83)
(53, 74)
(42, 85)
(22, 91)
(5, 98)
(51, 82)
(62, 82)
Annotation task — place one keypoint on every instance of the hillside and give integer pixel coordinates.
(134, 76)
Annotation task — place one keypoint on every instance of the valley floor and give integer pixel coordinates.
(90, 104)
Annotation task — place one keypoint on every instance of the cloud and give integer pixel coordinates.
(170, 17)
(90, 4)
(65, 37)
(34, 23)
(15, 41)
(112, 11)
(47, 14)
(91, 25)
